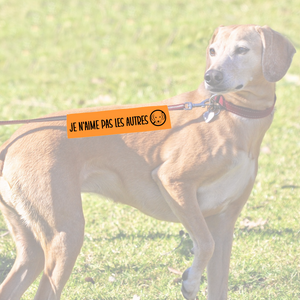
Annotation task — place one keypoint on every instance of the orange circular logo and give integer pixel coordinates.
(158, 117)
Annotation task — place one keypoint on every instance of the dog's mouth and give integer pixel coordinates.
(216, 90)
(239, 87)
(220, 89)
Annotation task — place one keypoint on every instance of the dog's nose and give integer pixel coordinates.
(213, 77)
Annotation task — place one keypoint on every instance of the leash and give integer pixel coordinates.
(214, 105)
(43, 119)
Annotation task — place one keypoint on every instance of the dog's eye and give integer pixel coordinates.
(241, 50)
(212, 52)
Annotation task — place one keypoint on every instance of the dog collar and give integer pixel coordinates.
(243, 111)
(216, 103)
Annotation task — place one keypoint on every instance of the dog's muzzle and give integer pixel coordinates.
(213, 77)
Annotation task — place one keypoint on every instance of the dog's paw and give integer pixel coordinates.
(190, 285)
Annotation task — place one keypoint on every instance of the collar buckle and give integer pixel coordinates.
(214, 105)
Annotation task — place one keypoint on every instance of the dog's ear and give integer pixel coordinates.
(277, 53)
(208, 62)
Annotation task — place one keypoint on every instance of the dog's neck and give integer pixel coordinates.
(257, 99)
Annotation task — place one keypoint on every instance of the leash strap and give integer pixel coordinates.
(44, 119)
(217, 100)
(182, 106)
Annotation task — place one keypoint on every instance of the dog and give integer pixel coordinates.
(197, 173)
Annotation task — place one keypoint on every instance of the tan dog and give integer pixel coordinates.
(196, 173)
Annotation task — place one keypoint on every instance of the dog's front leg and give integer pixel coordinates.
(218, 266)
(182, 199)
(221, 227)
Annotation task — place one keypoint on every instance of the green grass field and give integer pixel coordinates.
(57, 55)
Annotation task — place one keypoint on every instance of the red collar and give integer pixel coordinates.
(243, 111)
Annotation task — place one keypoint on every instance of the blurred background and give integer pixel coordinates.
(63, 54)
(57, 55)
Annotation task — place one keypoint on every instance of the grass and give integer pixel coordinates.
(57, 55)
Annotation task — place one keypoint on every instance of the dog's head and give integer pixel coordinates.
(238, 55)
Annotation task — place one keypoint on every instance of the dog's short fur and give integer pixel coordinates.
(195, 173)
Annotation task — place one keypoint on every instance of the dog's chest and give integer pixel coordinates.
(229, 187)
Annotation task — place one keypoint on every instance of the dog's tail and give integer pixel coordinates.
(3, 151)
(2, 202)
(1, 166)
(7, 210)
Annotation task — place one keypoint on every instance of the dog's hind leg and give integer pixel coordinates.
(61, 256)
(62, 247)
(30, 257)
(182, 199)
